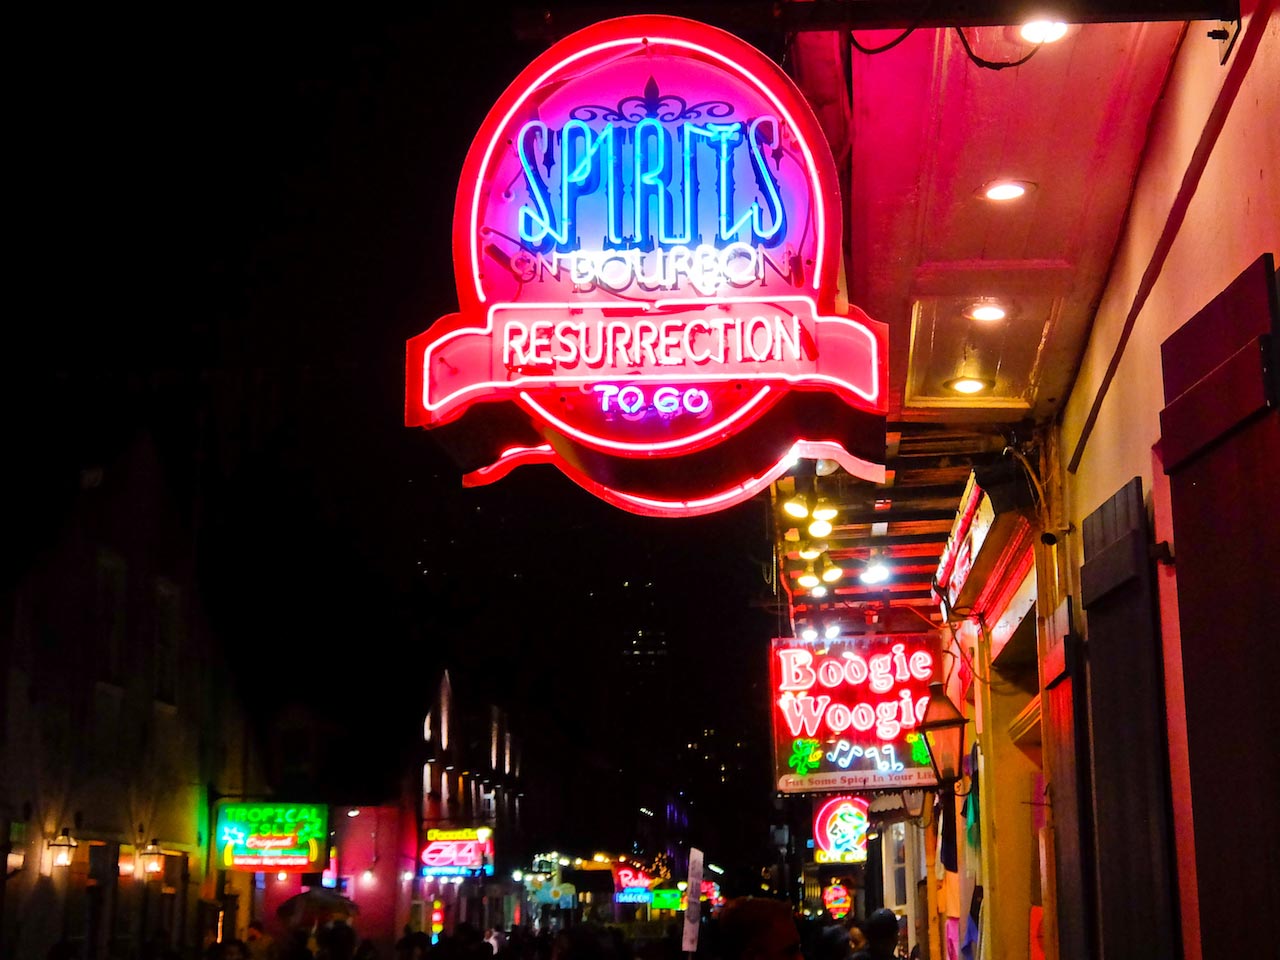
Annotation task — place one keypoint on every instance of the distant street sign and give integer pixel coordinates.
(693, 911)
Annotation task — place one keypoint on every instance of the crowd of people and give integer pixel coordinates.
(750, 928)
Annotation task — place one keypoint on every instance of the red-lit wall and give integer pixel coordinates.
(377, 860)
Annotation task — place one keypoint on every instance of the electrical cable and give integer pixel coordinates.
(872, 51)
(994, 64)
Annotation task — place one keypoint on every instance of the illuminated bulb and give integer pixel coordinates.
(818, 591)
(968, 385)
(809, 634)
(797, 507)
(877, 572)
(825, 510)
(987, 312)
(811, 551)
(832, 631)
(1043, 31)
(830, 572)
(282, 876)
(1001, 190)
(820, 528)
(353, 813)
(808, 578)
(367, 876)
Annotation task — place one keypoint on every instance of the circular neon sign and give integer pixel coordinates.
(646, 241)
(840, 830)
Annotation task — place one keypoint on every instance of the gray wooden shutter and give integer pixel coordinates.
(1132, 812)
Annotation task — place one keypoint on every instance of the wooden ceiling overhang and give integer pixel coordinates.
(926, 127)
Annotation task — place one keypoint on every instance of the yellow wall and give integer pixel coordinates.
(1232, 218)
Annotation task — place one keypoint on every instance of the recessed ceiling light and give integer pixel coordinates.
(1006, 189)
(1043, 31)
(969, 385)
(986, 310)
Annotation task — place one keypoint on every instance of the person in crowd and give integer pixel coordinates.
(260, 943)
(755, 928)
(881, 929)
(367, 950)
(335, 941)
(857, 939)
(831, 943)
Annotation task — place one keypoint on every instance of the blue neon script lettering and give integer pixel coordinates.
(638, 173)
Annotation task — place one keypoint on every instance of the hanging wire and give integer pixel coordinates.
(994, 64)
(872, 51)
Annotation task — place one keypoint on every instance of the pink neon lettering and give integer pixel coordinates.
(753, 326)
(921, 665)
(900, 664)
(881, 676)
(669, 342)
(806, 711)
(566, 347)
(271, 843)
(887, 725)
(855, 670)
(797, 674)
(908, 718)
(646, 338)
(838, 718)
(618, 333)
(830, 673)
(687, 343)
(540, 343)
(864, 718)
(515, 342)
(632, 878)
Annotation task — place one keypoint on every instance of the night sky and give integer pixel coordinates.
(234, 225)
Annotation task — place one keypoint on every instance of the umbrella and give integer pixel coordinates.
(315, 906)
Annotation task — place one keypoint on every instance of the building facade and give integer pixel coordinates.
(121, 729)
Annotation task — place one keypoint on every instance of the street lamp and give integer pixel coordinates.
(943, 731)
(913, 803)
(63, 847)
(152, 859)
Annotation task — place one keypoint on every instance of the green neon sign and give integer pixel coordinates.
(667, 899)
(280, 837)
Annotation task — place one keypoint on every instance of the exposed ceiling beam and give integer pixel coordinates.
(552, 21)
